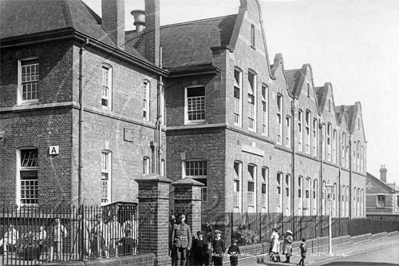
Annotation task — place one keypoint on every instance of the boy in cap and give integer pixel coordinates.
(200, 248)
(218, 248)
(234, 252)
(287, 250)
(303, 249)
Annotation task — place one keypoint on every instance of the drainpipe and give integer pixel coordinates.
(338, 160)
(293, 113)
(350, 176)
(81, 103)
(160, 88)
(321, 167)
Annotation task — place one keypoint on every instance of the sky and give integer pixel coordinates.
(354, 44)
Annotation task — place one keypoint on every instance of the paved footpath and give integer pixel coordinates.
(338, 253)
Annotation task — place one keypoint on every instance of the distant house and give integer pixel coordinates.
(381, 197)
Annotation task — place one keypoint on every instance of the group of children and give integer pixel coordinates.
(212, 252)
(274, 250)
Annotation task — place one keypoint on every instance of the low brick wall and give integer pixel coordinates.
(147, 259)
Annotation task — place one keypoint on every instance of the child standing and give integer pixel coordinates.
(303, 249)
(218, 249)
(234, 251)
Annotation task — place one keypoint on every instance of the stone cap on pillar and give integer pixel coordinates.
(153, 178)
(187, 181)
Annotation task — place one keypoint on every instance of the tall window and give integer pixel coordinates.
(162, 170)
(252, 35)
(107, 86)
(354, 156)
(300, 131)
(279, 119)
(362, 159)
(307, 121)
(343, 200)
(265, 178)
(358, 156)
(105, 177)
(146, 100)
(329, 105)
(237, 186)
(397, 201)
(198, 171)
(28, 79)
(300, 201)
(288, 133)
(195, 104)
(237, 97)
(279, 192)
(287, 194)
(251, 101)
(315, 137)
(323, 139)
(315, 197)
(329, 142)
(146, 166)
(265, 118)
(334, 145)
(347, 157)
(300, 187)
(251, 188)
(28, 168)
(343, 144)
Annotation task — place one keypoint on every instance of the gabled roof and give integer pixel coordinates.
(293, 77)
(189, 43)
(25, 17)
(381, 183)
(321, 96)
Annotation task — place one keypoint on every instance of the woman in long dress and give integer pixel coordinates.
(275, 245)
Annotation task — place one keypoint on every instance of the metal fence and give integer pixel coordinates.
(36, 235)
(252, 228)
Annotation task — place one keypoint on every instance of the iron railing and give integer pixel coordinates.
(36, 235)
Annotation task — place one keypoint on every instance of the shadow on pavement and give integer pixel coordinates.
(354, 263)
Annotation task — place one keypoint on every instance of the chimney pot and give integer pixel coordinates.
(139, 19)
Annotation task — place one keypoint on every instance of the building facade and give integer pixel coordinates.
(259, 137)
(87, 107)
(78, 109)
(381, 197)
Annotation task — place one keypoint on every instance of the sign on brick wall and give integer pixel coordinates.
(53, 150)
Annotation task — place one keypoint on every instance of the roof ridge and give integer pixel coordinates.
(192, 21)
(67, 14)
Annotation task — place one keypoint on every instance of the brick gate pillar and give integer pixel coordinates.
(188, 200)
(153, 217)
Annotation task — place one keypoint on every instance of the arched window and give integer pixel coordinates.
(237, 190)
(237, 97)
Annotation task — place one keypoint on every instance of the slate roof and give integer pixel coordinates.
(293, 77)
(188, 44)
(23, 17)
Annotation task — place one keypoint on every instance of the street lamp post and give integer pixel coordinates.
(330, 191)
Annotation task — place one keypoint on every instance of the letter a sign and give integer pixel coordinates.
(53, 150)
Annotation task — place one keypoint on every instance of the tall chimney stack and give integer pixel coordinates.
(152, 31)
(139, 19)
(113, 21)
(383, 172)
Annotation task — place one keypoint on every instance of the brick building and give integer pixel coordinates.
(259, 137)
(381, 197)
(78, 108)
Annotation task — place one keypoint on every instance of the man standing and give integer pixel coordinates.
(129, 231)
(10, 238)
(59, 233)
(181, 241)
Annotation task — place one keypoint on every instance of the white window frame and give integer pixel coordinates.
(287, 184)
(20, 169)
(146, 165)
(329, 127)
(343, 144)
(252, 89)
(334, 145)
(279, 100)
(288, 132)
(252, 178)
(22, 63)
(237, 186)
(146, 100)
(106, 169)
(279, 179)
(307, 124)
(162, 170)
(315, 196)
(264, 187)
(300, 131)
(323, 139)
(200, 100)
(202, 167)
(106, 87)
(237, 101)
(265, 110)
(315, 137)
